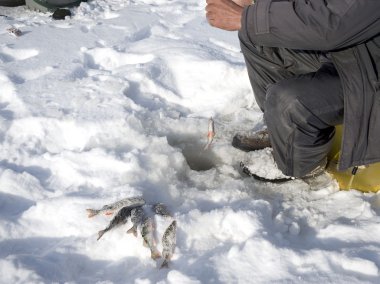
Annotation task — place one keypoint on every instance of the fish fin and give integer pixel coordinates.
(155, 254)
(108, 213)
(92, 212)
(100, 234)
(165, 264)
(133, 231)
(145, 244)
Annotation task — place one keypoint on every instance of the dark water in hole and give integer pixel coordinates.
(197, 158)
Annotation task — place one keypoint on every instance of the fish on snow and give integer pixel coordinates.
(109, 209)
(137, 215)
(147, 232)
(168, 243)
(120, 218)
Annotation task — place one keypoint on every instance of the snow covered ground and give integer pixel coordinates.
(114, 102)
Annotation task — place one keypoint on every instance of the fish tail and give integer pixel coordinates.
(100, 234)
(155, 254)
(133, 231)
(92, 212)
(165, 264)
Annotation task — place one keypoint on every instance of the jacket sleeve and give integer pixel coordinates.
(311, 24)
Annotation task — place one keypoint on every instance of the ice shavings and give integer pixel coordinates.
(262, 164)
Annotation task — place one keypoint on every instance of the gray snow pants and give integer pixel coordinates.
(302, 99)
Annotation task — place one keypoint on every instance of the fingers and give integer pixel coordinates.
(210, 18)
(219, 2)
(221, 5)
(223, 14)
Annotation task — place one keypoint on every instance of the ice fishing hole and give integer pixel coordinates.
(196, 157)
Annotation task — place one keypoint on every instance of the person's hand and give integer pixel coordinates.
(243, 3)
(224, 14)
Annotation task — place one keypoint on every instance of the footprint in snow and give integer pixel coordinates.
(140, 35)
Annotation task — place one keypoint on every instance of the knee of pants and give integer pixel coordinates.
(282, 106)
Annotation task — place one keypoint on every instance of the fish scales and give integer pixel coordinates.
(147, 232)
(137, 215)
(168, 243)
(120, 218)
(161, 209)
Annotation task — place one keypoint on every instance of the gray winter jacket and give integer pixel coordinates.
(350, 31)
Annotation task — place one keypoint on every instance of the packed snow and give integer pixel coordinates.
(114, 102)
(269, 170)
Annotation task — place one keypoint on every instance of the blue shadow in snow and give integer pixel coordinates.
(12, 206)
